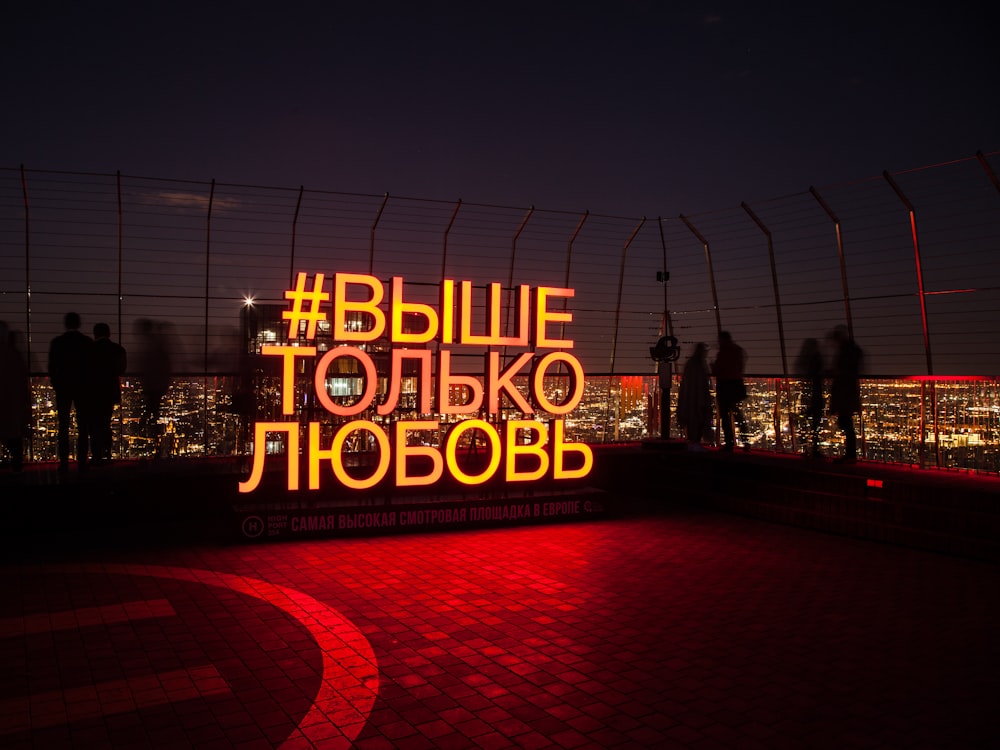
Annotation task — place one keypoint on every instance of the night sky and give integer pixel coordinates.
(625, 108)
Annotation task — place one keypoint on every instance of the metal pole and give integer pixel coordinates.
(510, 276)
(843, 263)
(444, 249)
(781, 326)
(618, 313)
(118, 176)
(291, 258)
(118, 181)
(208, 266)
(27, 297)
(711, 272)
(27, 264)
(569, 259)
(668, 330)
(923, 314)
(371, 236)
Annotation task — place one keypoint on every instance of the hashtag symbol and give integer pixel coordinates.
(300, 294)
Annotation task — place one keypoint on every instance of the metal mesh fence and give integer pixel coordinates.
(907, 261)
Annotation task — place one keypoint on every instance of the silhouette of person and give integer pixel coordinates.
(15, 398)
(106, 364)
(809, 367)
(730, 389)
(845, 389)
(68, 354)
(694, 400)
(154, 376)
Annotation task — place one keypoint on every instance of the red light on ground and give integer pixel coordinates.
(876, 483)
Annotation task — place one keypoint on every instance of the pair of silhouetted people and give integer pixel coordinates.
(845, 388)
(84, 374)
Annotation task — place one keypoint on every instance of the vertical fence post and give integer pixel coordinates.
(118, 184)
(783, 390)
(569, 259)
(848, 318)
(291, 254)
(843, 263)
(510, 275)
(711, 271)
(444, 245)
(118, 180)
(665, 384)
(208, 267)
(614, 335)
(27, 264)
(923, 320)
(371, 236)
(27, 298)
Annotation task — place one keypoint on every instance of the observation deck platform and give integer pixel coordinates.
(131, 618)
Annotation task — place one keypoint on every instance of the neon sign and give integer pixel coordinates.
(526, 449)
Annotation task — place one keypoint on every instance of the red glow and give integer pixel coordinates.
(948, 378)
(350, 670)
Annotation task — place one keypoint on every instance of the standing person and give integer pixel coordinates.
(106, 365)
(730, 389)
(694, 400)
(809, 367)
(15, 398)
(845, 389)
(68, 355)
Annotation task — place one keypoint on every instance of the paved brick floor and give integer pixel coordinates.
(688, 630)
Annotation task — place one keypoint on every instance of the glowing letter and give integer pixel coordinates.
(446, 381)
(396, 379)
(522, 318)
(502, 381)
(335, 454)
(451, 449)
(342, 306)
(291, 429)
(560, 449)
(536, 449)
(575, 383)
(311, 317)
(402, 451)
(447, 308)
(371, 381)
(400, 308)
(288, 371)
(466, 336)
(543, 316)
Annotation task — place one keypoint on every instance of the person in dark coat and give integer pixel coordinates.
(845, 389)
(68, 355)
(730, 389)
(106, 365)
(694, 400)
